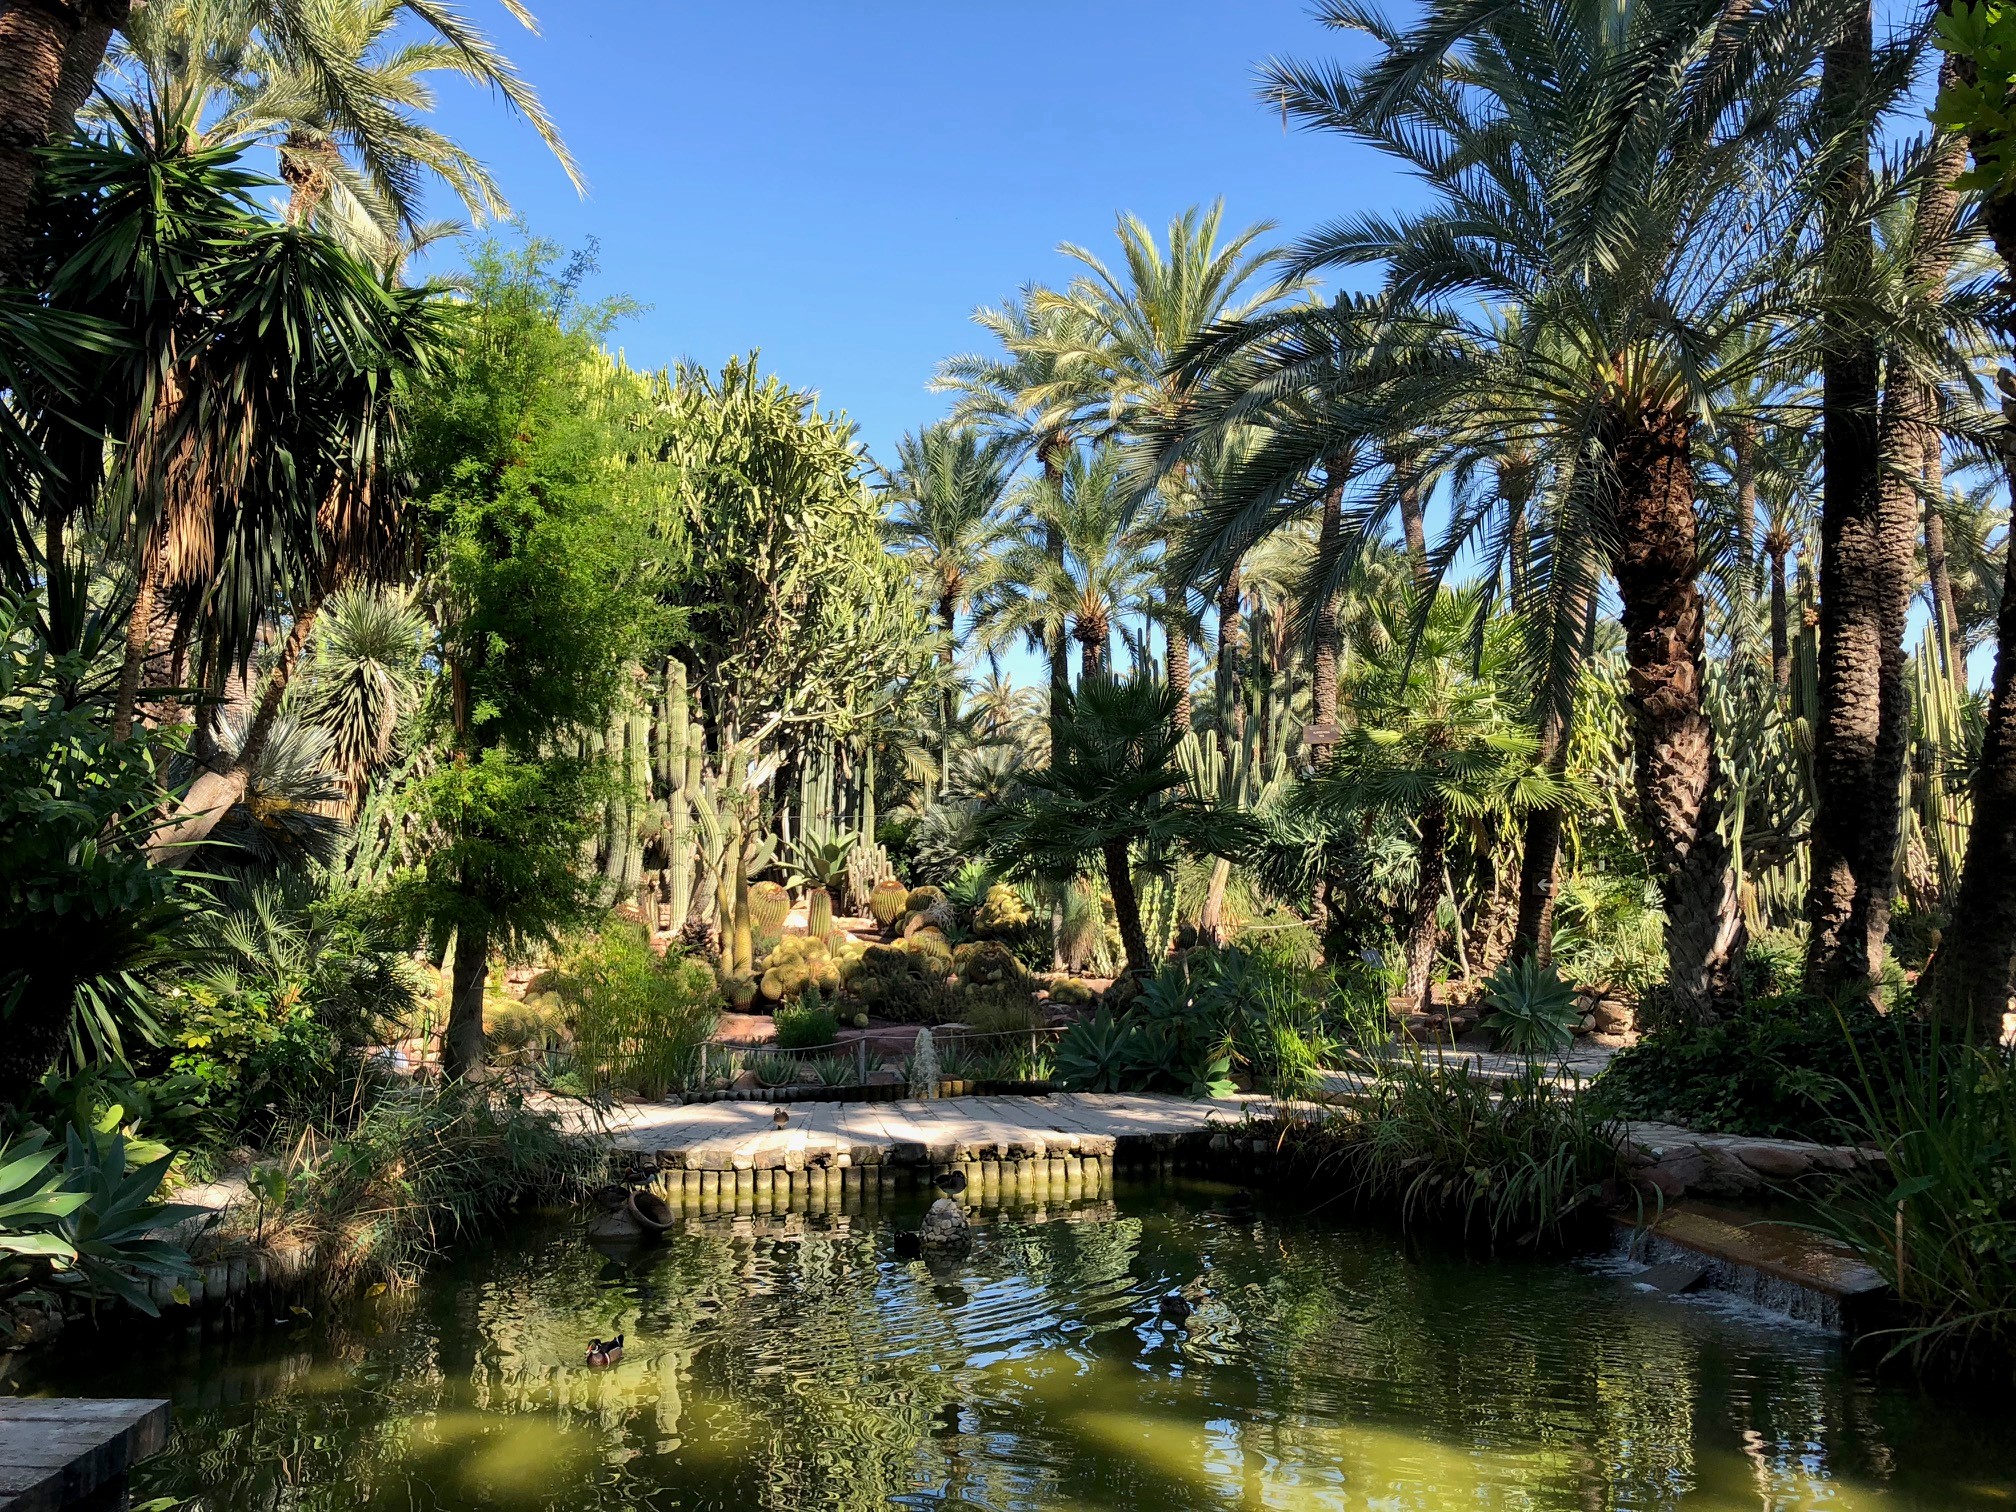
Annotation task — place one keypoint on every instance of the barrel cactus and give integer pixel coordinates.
(888, 902)
(769, 907)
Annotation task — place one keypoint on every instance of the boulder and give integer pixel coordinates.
(946, 1225)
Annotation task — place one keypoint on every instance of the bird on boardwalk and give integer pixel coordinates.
(779, 1119)
(605, 1351)
(951, 1183)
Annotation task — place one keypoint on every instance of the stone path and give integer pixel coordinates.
(724, 1136)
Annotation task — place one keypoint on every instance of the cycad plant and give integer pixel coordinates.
(1113, 788)
(1434, 743)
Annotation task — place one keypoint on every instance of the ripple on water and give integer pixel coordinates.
(1323, 1367)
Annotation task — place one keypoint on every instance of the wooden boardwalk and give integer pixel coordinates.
(742, 1136)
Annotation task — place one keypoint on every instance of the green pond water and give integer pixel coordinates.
(793, 1363)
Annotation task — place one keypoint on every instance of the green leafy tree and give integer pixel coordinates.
(542, 599)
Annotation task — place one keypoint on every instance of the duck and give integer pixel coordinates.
(951, 1183)
(1178, 1306)
(603, 1352)
(779, 1119)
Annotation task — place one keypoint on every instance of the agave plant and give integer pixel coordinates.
(33, 1203)
(1532, 1009)
(112, 1231)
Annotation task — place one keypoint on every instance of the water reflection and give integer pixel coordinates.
(790, 1365)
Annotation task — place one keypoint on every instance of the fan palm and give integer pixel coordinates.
(1113, 787)
(364, 145)
(946, 498)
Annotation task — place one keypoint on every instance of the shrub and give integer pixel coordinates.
(1938, 1222)
(1160, 1046)
(1440, 1146)
(425, 1163)
(806, 1024)
(1003, 1009)
(772, 1070)
(1532, 1009)
(638, 1018)
(1771, 1068)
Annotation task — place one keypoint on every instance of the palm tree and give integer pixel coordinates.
(1025, 397)
(51, 56)
(1434, 740)
(1113, 787)
(357, 157)
(1128, 329)
(1098, 574)
(1555, 132)
(947, 493)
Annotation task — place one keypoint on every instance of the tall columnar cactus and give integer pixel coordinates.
(637, 792)
(680, 849)
(818, 912)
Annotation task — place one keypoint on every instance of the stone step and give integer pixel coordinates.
(1776, 1265)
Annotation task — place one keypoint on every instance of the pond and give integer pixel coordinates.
(793, 1363)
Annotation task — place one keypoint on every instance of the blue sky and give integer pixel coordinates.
(841, 184)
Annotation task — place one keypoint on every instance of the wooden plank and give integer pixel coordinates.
(57, 1450)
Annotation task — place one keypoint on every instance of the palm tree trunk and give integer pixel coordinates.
(1231, 707)
(35, 36)
(462, 1040)
(1415, 525)
(1423, 924)
(1540, 848)
(1971, 973)
(1938, 574)
(1678, 777)
(1126, 908)
(1868, 571)
(1176, 633)
(212, 794)
(139, 641)
(1321, 735)
(1781, 631)
(948, 612)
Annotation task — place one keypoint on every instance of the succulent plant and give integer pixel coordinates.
(818, 912)
(888, 902)
(769, 907)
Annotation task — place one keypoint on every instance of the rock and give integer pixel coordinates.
(1613, 1017)
(946, 1225)
(1770, 1158)
(745, 1081)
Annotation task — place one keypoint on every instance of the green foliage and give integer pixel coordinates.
(1771, 1068)
(819, 861)
(772, 1070)
(1532, 1009)
(1164, 1043)
(83, 915)
(638, 1018)
(425, 1164)
(269, 1029)
(806, 1024)
(1982, 32)
(1609, 931)
(1938, 1220)
(112, 1232)
(1515, 1163)
(33, 1204)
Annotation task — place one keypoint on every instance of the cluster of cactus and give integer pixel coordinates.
(867, 866)
(1071, 993)
(807, 962)
(888, 902)
(1002, 911)
(906, 982)
(928, 908)
(983, 963)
